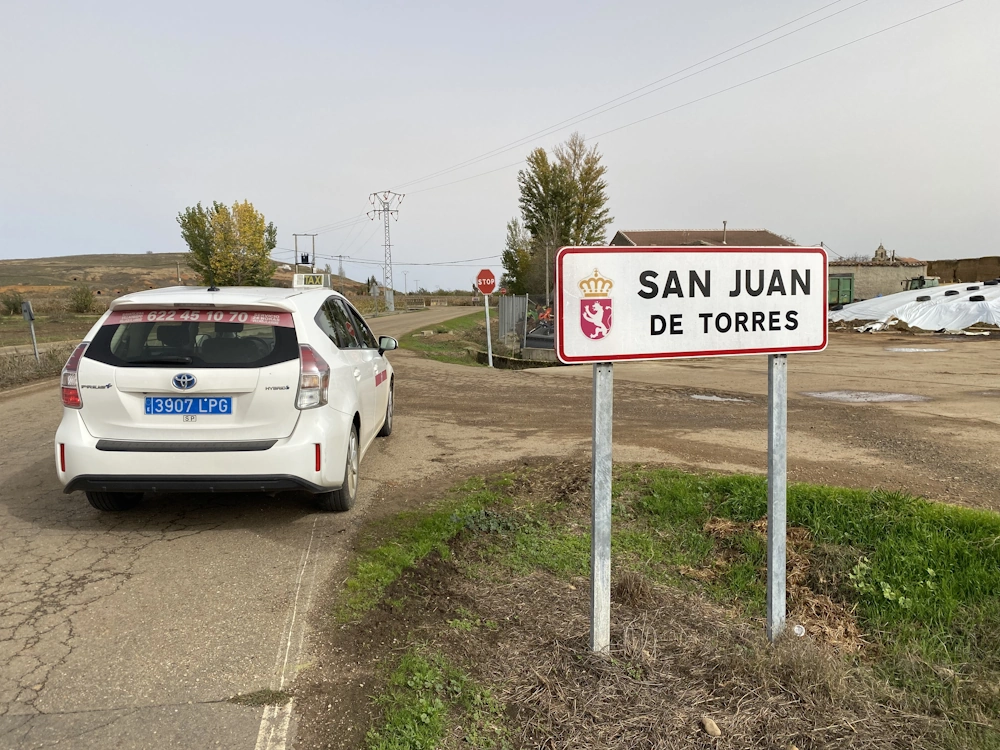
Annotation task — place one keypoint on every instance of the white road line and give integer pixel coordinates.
(275, 722)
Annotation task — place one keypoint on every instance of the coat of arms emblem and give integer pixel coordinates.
(595, 307)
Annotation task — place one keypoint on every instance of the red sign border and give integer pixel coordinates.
(495, 282)
(564, 251)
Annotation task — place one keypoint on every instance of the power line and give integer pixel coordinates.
(715, 93)
(779, 70)
(611, 104)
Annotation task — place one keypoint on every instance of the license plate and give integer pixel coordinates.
(189, 405)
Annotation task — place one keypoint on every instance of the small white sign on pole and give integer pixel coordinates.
(643, 303)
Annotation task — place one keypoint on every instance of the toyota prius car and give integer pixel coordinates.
(233, 390)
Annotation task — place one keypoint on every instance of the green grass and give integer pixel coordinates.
(451, 350)
(14, 331)
(410, 537)
(922, 579)
(424, 697)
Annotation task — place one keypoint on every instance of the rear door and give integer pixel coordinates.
(377, 363)
(191, 375)
(338, 323)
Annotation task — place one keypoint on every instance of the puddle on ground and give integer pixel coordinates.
(911, 349)
(990, 394)
(700, 397)
(866, 397)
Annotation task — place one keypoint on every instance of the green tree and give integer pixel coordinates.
(516, 258)
(563, 201)
(229, 246)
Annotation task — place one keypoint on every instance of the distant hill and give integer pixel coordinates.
(114, 275)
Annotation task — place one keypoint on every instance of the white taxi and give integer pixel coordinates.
(241, 389)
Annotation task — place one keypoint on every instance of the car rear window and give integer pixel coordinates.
(195, 338)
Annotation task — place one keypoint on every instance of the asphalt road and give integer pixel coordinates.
(132, 630)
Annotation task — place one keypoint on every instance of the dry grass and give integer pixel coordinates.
(20, 369)
(673, 662)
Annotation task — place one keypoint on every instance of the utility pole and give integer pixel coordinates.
(404, 282)
(387, 205)
(312, 258)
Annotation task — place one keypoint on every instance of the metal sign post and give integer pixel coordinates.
(29, 315)
(777, 463)
(486, 283)
(489, 340)
(600, 519)
(648, 303)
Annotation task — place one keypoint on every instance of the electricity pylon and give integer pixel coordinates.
(387, 205)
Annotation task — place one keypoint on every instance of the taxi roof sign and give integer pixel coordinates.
(308, 280)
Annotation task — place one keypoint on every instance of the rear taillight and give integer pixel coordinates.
(70, 381)
(314, 379)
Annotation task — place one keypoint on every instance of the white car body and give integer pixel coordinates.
(122, 440)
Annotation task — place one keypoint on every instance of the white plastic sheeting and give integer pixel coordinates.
(951, 312)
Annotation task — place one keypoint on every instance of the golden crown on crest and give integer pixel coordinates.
(596, 285)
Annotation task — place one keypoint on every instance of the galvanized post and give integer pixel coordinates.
(600, 538)
(777, 461)
(34, 343)
(489, 340)
(524, 333)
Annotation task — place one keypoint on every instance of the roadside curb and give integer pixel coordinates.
(21, 390)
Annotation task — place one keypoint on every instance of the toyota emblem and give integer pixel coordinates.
(184, 381)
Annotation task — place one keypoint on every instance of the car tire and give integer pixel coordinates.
(113, 501)
(343, 499)
(386, 430)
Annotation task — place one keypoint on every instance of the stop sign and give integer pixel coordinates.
(486, 282)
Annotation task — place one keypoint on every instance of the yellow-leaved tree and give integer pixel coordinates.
(229, 246)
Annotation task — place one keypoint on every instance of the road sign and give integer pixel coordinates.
(628, 303)
(688, 302)
(486, 282)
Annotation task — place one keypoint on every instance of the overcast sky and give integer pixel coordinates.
(115, 116)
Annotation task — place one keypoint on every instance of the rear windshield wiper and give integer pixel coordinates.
(161, 361)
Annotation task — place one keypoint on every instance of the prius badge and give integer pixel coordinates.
(184, 381)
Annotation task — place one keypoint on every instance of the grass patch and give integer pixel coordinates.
(259, 698)
(21, 369)
(425, 697)
(913, 586)
(448, 341)
(409, 538)
(14, 330)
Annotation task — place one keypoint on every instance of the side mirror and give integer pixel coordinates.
(387, 343)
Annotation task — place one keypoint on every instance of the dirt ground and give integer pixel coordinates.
(711, 414)
(700, 415)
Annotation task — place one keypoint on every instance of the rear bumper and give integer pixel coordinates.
(128, 483)
(233, 466)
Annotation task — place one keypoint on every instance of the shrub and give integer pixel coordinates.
(11, 301)
(81, 299)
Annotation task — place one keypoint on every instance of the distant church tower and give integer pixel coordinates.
(881, 255)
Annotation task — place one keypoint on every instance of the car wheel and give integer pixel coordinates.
(114, 500)
(343, 499)
(387, 424)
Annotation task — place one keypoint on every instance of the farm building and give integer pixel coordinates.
(851, 280)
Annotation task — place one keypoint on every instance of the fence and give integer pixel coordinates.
(511, 314)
